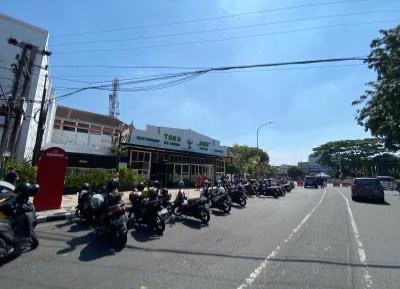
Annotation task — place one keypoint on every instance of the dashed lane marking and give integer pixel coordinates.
(253, 276)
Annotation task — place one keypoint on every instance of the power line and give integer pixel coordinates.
(227, 38)
(210, 18)
(223, 29)
(186, 76)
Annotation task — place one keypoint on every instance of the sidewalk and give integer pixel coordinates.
(69, 202)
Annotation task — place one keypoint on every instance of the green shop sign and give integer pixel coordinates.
(172, 140)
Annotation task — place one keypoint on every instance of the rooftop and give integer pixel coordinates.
(86, 116)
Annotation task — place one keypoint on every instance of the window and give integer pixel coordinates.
(68, 128)
(140, 157)
(107, 131)
(146, 157)
(70, 123)
(82, 130)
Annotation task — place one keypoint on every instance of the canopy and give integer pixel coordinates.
(323, 175)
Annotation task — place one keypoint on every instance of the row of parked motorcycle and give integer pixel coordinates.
(109, 216)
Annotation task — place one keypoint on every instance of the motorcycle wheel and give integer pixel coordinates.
(77, 213)
(34, 240)
(159, 226)
(204, 216)
(243, 202)
(176, 211)
(276, 195)
(227, 208)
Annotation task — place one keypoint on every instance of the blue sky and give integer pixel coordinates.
(309, 105)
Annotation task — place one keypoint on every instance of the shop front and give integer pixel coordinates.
(170, 155)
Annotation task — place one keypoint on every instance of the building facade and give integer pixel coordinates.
(172, 154)
(85, 136)
(26, 130)
(313, 167)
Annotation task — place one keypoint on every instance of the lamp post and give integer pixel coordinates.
(258, 129)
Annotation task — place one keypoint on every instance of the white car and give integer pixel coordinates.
(388, 183)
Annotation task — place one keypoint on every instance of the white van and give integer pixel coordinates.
(387, 182)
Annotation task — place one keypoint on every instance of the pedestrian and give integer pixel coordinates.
(12, 177)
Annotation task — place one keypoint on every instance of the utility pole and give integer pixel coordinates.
(11, 103)
(13, 120)
(40, 129)
(21, 99)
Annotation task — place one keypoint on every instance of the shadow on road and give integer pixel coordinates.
(370, 202)
(144, 234)
(190, 222)
(218, 213)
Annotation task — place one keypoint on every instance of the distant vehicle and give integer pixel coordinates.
(310, 181)
(388, 183)
(367, 188)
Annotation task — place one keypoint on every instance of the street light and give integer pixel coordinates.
(258, 129)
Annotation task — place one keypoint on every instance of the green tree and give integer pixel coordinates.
(381, 111)
(295, 172)
(245, 159)
(351, 155)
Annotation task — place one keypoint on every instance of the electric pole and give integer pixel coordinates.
(13, 120)
(11, 103)
(40, 129)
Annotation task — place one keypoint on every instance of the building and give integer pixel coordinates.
(29, 92)
(281, 171)
(173, 154)
(313, 167)
(85, 136)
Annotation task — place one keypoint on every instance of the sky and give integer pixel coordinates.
(309, 104)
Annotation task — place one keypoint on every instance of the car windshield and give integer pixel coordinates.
(385, 179)
(367, 182)
(273, 125)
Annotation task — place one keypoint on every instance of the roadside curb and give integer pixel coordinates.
(56, 217)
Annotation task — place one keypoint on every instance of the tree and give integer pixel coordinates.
(295, 172)
(245, 159)
(351, 155)
(381, 111)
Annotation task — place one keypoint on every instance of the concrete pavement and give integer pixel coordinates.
(304, 240)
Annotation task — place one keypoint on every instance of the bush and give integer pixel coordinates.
(26, 172)
(96, 178)
(128, 179)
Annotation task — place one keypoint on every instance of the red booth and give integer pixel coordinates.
(50, 177)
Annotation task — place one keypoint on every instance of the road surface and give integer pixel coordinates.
(308, 239)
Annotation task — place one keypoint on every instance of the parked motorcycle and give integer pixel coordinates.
(147, 212)
(109, 212)
(237, 194)
(17, 221)
(218, 199)
(83, 210)
(265, 188)
(196, 207)
(165, 198)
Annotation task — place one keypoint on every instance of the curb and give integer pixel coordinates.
(55, 217)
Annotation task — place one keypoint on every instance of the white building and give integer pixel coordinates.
(85, 136)
(23, 32)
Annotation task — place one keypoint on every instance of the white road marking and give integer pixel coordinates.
(252, 277)
(360, 247)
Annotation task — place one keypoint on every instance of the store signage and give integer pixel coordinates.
(177, 139)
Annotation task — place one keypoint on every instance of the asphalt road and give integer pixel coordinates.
(308, 239)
